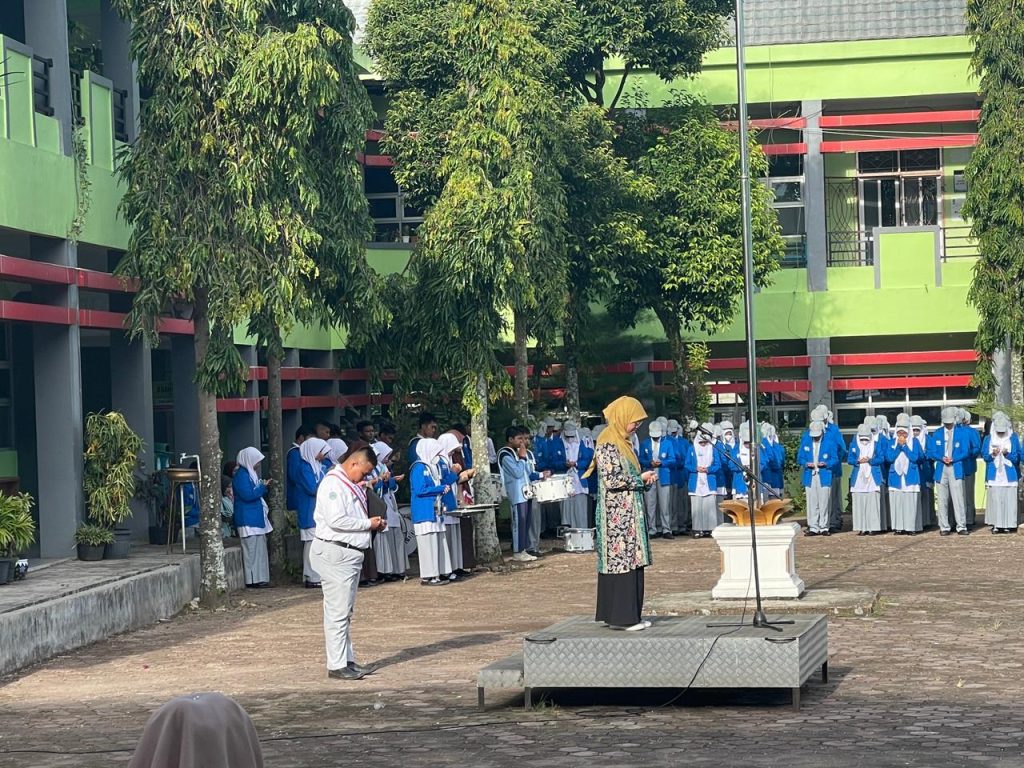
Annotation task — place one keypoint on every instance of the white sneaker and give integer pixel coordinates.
(638, 627)
(523, 557)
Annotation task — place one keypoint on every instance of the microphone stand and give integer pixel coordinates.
(760, 620)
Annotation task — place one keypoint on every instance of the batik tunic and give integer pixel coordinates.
(622, 543)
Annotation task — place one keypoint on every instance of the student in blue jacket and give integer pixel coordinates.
(970, 464)
(428, 483)
(865, 482)
(702, 464)
(251, 518)
(1001, 451)
(307, 479)
(775, 453)
(820, 463)
(680, 481)
(657, 453)
(948, 447)
(927, 469)
(292, 462)
(903, 455)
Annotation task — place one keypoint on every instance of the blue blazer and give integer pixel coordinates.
(1012, 473)
(913, 453)
(773, 464)
(583, 461)
(554, 455)
(961, 449)
(839, 445)
(515, 474)
(666, 455)
(827, 455)
(188, 491)
(678, 472)
(691, 468)
(971, 462)
(739, 480)
(449, 478)
(292, 462)
(423, 493)
(853, 459)
(248, 500)
(724, 470)
(467, 454)
(306, 484)
(411, 452)
(540, 447)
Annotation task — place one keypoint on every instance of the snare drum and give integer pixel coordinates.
(555, 488)
(578, 539)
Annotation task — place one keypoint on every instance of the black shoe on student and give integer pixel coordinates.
(311, 584)
(826, 533)
(945, 533)
(368, 669)
(655, 535)
(963, 532)
(345, 674)
(535, 552)
(809, 532)
(667, 535)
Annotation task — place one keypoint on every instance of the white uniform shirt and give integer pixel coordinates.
(340, 513)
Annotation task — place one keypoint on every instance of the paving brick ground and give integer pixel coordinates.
(933, 679)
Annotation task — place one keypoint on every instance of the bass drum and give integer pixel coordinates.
(408, 534)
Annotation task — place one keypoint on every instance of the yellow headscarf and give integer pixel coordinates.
(618, 416)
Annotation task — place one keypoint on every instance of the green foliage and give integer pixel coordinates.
(242, 191)
(995, 176)
(17, 528)
(154, 490)
(83, 184)
(111, 457)
(474, 127)
(793, 473)
(94, 535)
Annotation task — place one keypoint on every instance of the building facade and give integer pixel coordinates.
(868, 113)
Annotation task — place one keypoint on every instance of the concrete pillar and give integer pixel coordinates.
(290, 419)
(131, 383)
(814, 200)
(186, 400)
(46, 32)
(118, 65)
(820, 372)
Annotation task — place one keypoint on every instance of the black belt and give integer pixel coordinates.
(344, 544)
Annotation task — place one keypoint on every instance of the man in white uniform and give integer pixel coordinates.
(343, 536)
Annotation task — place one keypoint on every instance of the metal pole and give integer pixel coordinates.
(748, 299)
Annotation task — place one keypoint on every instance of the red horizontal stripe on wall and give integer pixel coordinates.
(176, 325)
(98, 318)
(741, 388)
(923, 142)
(23, 311)
(905, 358)
(34, 271)
(901, 118)
(900, 382)
(761, 123)
(739, 363)
(92, 280)
(799, 148)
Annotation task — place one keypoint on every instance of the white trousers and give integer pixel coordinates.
(339, 570)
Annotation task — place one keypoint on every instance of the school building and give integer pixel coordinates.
(867, 111)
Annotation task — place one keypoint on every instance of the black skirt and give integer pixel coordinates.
(620, 597)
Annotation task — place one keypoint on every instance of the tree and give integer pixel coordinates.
(689, 269)
(225, 181)
(474, 130)
(995, 190)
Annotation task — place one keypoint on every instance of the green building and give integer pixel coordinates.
(868, 113)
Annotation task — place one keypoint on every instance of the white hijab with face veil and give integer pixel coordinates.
(203, 730)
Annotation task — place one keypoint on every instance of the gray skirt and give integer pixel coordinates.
(255, 561)
(389, 549)
(904, 510)
(867, 511)
(1001, 506)
(704, 512)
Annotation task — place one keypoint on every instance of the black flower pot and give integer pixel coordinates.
(116, 550)
(91, 552)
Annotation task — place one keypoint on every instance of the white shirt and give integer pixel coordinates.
(340, 513)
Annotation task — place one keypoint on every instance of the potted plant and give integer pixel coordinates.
(92, 539)
(17, 531)
(111, 456)
(154, 490)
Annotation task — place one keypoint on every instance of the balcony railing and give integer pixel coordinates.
(121, 115)
(957, 243)
(76, 97)
(41, 85)
(795, 256)
(850, 249)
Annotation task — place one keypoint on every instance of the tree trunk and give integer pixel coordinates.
(275, 461)
(213, 589)
(572, 367)
(488, 548)
(680, 380)
(522, 383)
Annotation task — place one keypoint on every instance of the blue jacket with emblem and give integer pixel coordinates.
(666, 455)
(937, 450)
(827, 455)
(1014, 457)
(248, 500)
(875, 462)
(913, 453)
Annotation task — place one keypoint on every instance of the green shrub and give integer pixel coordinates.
(17, 528)
(94, 535)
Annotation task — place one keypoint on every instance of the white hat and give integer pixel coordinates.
(569, 429)
(549, 422)
(817, 428)
(745, 432)
(673, 426)
(726, 426)
(597, 430)
(1000, 423)
(662, 420)
(863, 431)
(949, 415)
(903, 421)
(656, 429)
(820, 413)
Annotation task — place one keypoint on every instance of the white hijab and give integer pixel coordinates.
(865, 481)
(248, 458)
(309, 450)
(902, 463)
(997, 443)
(382, 450)
(448, 443)
(705, 455)
(337, 448)
(428, 451)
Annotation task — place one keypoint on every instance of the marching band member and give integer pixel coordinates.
(428, 482)
(577, 457)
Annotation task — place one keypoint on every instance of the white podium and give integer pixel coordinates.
(776, 560)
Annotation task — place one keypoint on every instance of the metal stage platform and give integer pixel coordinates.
(675, 652)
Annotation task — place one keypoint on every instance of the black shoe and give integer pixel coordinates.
(432, 582)
(368, 669)
(945, 533)
(964, 532)
(345, 674)
(826, 533)
(311, 584)
(655, 535)
(534, 552)
(862, 533)
(667, 535)
(809, 532)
